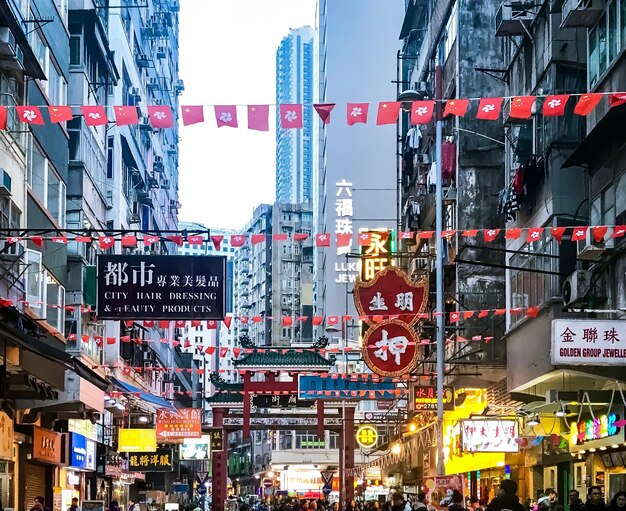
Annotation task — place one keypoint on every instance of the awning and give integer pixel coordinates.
(159, 402)
(604, 139)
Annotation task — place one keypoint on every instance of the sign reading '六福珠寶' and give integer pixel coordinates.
(161, 287)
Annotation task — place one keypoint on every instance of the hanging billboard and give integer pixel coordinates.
(161, 287)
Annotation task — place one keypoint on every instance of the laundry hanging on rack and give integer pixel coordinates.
(508, 204)
(448, 162)
(412, 214)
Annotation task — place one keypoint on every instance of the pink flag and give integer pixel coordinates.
(160, 116)
(192, 115)
(226, 115)
(290, 116)
(257, 117)
(357, 113)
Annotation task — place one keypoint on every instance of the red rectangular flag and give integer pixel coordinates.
(160, 116)
(29, 114)
(290, 116)
(587, 103)
(60, 113)
(388, 113)
(555, 105)
(489, 109)
(322, 240)
(521, 107)
(3, 117)
(356, 113)
(422, 112)
(192, 114)
(125, 115)
(94, 115)
(258, 117)
(226, 115)
(456, 107)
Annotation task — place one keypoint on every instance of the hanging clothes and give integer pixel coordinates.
(432, 178)
(413, 138)
(412, 214)
(448, 162)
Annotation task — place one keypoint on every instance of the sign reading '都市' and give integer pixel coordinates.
(161, 287)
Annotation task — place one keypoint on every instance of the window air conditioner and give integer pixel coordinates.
(590, 250)
(576, 286)
(581, 13)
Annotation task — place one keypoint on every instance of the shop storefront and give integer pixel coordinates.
(81, 463)
(7, 465)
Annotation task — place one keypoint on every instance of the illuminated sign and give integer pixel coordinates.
(367, 436)
(602, 426)
(489, 435)
(137, 440)
(196, 448)
(184, 423)
(376, 250)
(425, 398)
(347, 271)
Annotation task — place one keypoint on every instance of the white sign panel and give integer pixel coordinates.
(588, 342)
(490, 435)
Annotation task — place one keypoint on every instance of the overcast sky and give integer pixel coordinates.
(227, 56)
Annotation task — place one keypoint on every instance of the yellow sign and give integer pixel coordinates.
(137, 440)
(375, 252)
(367, 436)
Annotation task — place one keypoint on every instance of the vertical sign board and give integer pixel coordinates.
(376, 255)
(161, 287)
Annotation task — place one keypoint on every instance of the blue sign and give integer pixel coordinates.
(332, 388)
(180, 488)
(327, 489)
(78, 451)
(201, 489)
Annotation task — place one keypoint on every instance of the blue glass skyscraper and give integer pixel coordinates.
(294, 84)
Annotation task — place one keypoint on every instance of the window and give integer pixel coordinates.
(620, 200)
(606, 40)
(10, 215)
(46, 184)
(62, 7)
(33, 278)
(44, 292)
(603, 208)
(333, 440)
(451, 31)
(55, 301)
(309, 440)
(76, 46)
(285, 440)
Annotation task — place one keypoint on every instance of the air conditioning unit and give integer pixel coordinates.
(513, 18)
(173, 204)
(582, 13)
(590, 250)
(134, 91)
(5, 183)
(576, 286)
(135, 216)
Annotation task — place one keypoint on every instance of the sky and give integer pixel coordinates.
(227, 56)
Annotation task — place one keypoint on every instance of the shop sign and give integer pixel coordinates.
(217, 439)
(301, 480)
(588, 342)
(348, 271)
(296, 422)
(82, 452)
(46, 445)
(161, 287)
(196, 448)
(6, 437)
(137, 440)
(84, 427)
(367, 436)
(602, 426)
(489, 435)
(113, 471)
(391, 292)
(390, 348)
(184, 423)
(376, 255)
(290, 401)
(73, 479)
(333, 388)
(160, 461)
(425, 398)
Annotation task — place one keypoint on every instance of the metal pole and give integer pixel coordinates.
(439, 260)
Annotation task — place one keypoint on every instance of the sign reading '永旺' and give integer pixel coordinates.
(161, 287)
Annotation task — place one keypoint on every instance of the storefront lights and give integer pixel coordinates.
(396, 448)
(533, 421)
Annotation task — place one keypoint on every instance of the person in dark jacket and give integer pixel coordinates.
(457, 501)
(618, 502)
(543, 502)
(555, 505)
(575, 504)
(507, 498)
(595, 502)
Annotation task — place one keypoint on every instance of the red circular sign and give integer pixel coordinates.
(268, 483)
(390, 348)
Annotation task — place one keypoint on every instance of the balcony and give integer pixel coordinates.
(514, 18)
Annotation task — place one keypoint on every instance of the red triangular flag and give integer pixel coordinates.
(129, 241)
(210, 350)
(324, 110)
(125, 115)
(456, 107)
(258, 238)
(521, 107)
(237, 240)
(587, 103)
(534, 234)
(490, 234)
(290, 116)
(223, 352)
(422, 112)
(29, 114)
(599, 232)
(356, 113)
(106, 242)
(217, 241)
(322, 240)
(579, 233)
(94, 115)
(37, 240)
(192, 114)
(60, 113)
(258, 117)
(388, 113)
(160, 116)
(557, 233)
(555, 105)
(228, 321)
(176, 239)
(236, 352)
(617, 99)
(489, 109)
(3, 117)
(226, 115)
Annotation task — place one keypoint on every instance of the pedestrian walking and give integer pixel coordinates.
(456, 501)
(595, 501)
(507, 498)
(74, 506)
(133, 505)
(575, 504)
(618, 502)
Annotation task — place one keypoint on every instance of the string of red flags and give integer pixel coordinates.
(599, 233)
(291, 115)
(368, 394)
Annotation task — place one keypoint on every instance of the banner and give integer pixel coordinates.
(320, 387)
(161, 287)
(172, 426)
(137, 440)
(160, 461)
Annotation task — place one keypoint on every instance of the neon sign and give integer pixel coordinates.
(602, 426)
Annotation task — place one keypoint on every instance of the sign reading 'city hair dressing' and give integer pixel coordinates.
(161, 287)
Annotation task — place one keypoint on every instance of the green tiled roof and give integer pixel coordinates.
(225, 397)
(278, 358)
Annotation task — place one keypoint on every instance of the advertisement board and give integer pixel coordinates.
(489, 435)
(594, 342)
(425, 398)
(196, 448)
(159, 461)
(333, 388)
(185, 423)
(161, 287)
(137, 440)
(82, 452)
(46, 445)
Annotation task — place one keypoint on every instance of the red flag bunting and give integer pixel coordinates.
(178, 240)
(324, 110)
(322, 240)
(237, 240)
(617, 99)
(513, 233)
(94, 115)
(599, 232)
(160, 116)
(106, 242)
(557, 233)
(534, 234)
(388, 113)
(226, 115)
(456, 107)
(587, 103)
(470, 233)
(555, 105)
(60, 113)
(125, 115)
(258, 117)
(29, 114)
(422, 112)
(217, 241)
(489, 109)
(364, 239)
(579, 233)
(223, 352)
(287, 321)
(258, 238)
(344, 240)
(62, 240)
(455, 317)
(521, 107)
(164, 324)
(490, 234)
(148, 323)
(150, 240)
(356, 113)
(619, 231)
(532, 312)
(3, 117)
(195, 239)
(228, 321)
(37, 240)
(211, 324)
(300, 236)
(192, 114)
(406, 235)
(129, 241)
(279, 237)
(290, 116)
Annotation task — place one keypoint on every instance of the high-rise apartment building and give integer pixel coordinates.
(294, 84)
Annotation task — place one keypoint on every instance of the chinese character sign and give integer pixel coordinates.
(588, 342)
(376, 255)
(391, 293)
(161, 287)
(185, 423)
(159, 461)
(425, 398)
(390, 348)
(489, 435)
